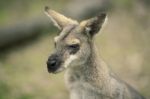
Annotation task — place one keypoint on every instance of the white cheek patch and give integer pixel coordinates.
(69, 60)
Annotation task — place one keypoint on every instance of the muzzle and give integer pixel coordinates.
(54, 62)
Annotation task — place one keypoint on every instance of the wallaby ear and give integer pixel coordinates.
(93, 25)
(58, 19)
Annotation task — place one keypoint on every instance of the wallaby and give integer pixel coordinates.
(87, 75)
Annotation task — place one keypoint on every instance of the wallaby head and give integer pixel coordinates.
(74, 43)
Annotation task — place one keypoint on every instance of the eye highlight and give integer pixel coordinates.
(73, 48)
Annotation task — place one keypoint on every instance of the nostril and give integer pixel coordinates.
(51, 63)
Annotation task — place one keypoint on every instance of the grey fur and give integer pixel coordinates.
(87, 75)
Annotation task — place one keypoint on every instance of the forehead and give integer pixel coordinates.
(69, 34)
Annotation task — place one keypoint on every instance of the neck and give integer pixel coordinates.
(93, 74)
(96, 68)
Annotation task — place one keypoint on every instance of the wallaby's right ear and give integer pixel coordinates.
(93, 25)
(58, 19)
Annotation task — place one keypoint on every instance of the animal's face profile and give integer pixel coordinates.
(73, 44)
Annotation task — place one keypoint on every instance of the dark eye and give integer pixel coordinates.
(73, 48)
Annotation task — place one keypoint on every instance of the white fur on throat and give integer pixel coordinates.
(69, 60)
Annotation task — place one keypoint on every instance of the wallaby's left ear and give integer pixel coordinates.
(59, 20)
(93, 25)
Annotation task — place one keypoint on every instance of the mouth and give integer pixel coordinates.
(52, 69)
(56, 71)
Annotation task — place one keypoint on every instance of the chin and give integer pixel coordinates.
(61, 69)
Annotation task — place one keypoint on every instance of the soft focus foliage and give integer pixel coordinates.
(123, 44)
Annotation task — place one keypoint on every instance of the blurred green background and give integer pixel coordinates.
(26, 41)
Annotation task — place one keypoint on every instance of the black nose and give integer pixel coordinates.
(53, 63)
